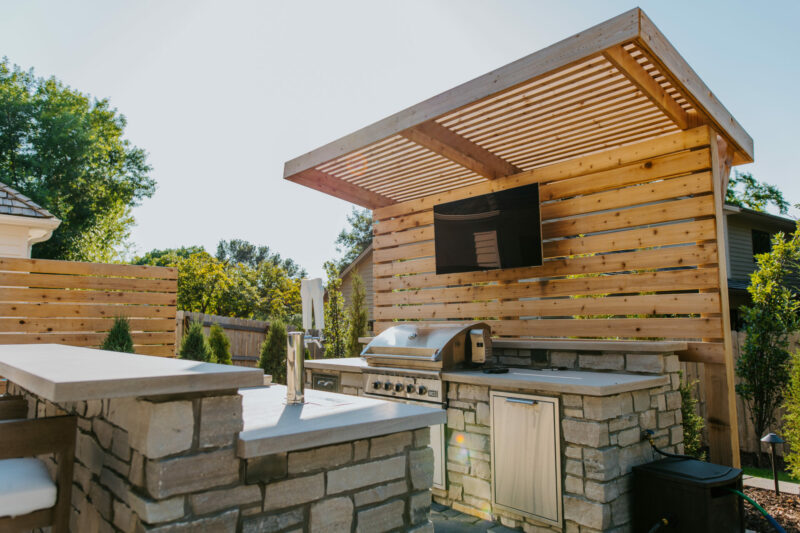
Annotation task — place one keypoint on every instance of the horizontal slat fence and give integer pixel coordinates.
(629, 249)
(65, 302)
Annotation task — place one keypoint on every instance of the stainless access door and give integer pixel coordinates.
(526, 466)
(437, 441)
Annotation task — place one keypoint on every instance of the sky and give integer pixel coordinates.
(222, 93)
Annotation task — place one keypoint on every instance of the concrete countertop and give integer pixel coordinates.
(68, 373)
(272, 426)
(563, 381)
(343, 364)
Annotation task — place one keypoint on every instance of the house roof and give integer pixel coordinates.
(782, 223)
(618, 83)
(12, 202)
(356, 261)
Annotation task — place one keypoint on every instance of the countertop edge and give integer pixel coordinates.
(248, 448)
(499, 383)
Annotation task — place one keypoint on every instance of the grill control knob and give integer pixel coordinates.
(376, 384)
(410, 388)
(398, 387)
(423, 389)
(387, 385)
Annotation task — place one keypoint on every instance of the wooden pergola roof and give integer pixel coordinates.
(617, 83)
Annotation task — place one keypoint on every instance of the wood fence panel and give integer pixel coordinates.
(630, 248)
(46, 301)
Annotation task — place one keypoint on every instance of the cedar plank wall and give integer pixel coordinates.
(636, 223)
(65, 302)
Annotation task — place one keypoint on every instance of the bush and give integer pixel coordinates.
(357, 316)
(273, 352)
(692, 422)
(119, 337)
(791, 417)
(194, 344)
(763, 365)
(335, 332)
(220, 345)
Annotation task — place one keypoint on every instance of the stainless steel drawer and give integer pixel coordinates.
(327, 382)
(526, 455)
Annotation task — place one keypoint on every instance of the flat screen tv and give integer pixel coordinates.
(496, 230)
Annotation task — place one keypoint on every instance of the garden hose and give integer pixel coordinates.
(769, 518)
(658, 525)
(648, 435)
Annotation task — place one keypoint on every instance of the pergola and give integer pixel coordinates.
(632, 152)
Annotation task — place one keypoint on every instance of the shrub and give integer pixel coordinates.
(692, 422)
(220, 345)
(194, 344)
(273, 351)
(119, 337)
(335, 332)
(763, 365)
(357, 316)
(791, 417)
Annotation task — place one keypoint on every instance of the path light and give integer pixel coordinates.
(773, 439)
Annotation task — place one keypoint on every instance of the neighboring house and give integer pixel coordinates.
(363, 266)
(748, 234)
(22, 223)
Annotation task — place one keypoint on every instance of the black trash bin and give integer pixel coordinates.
(691, 495)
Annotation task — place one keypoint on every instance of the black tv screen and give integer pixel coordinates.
(496, 230)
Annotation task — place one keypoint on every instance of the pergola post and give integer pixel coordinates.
(721, 416)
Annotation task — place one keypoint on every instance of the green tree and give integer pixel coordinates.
(194, 344)
(240, 251)
(746, 191)
(119, 336)
(357, 316)
(763, 365)
(791, 417)
(273, 351)
(355, 239)
(335, 331)
(278, 293)
(202, 283)
(220, 345)
(168, 257)
(692, 422)
(66, 151)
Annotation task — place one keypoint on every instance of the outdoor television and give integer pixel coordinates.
(496, 230)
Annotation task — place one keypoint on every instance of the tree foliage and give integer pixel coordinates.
(692, 422)
(220, 345)
(357, 316)
(273, 351)
(335, 332)
(763, 365)
(194, 344)
(746, 191)
(355, 239)
(242, 280)
(119, 336)
(66, 151)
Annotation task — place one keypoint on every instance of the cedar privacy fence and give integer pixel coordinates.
(246, 335)
(45, 301)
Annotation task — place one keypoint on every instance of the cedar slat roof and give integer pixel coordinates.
(617, 83)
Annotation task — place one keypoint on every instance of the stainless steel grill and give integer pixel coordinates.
(429, 346)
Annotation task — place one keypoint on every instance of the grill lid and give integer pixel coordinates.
(424, 343)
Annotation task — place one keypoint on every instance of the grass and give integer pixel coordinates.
(767, 473)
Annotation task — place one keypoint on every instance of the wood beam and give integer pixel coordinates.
(447, 143)
(328, 184)
(637, 75)
(722, 419)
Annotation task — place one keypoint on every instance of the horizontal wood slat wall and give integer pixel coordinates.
(65, 302)
(629, 245)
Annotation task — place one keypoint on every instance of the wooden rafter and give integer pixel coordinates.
(632, 70)
(461, 150)
(326, 183)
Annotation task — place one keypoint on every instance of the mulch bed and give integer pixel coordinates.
(785, 508)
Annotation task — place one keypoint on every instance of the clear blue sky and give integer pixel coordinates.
(221, 94)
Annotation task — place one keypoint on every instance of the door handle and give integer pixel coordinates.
(520, 400)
